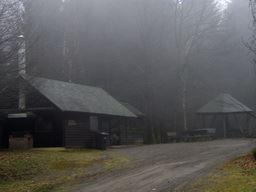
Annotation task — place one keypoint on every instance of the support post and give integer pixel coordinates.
(110, 132)
(248, 120)
(204, 122)
(224, 127)
(126, 130)
(213, 121)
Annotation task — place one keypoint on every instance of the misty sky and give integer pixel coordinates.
(223, 4)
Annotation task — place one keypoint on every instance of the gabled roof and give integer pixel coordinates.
(133, 109)
(224, 103)
(78, 98)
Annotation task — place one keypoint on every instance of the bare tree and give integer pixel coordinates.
(15, 41)
(251, 45)
(11, 40)
(253, 9)
(150, 38)
(193, 21)
(10, 30)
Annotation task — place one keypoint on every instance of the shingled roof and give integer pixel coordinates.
(133, 109)
(79, 98)
(224, 103)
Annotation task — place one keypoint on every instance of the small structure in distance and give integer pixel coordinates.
(230, 117)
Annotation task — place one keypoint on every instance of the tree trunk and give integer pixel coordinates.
(184, 102)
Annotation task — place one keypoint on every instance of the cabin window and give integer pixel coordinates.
(72, 123)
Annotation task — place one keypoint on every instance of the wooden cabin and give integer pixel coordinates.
(58, 113)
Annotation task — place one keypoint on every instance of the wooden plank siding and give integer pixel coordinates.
(78, 133)
(10, 96)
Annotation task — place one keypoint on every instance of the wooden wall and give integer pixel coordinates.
(77, 131)
(9, 96)
(48, 130)
(36, 100)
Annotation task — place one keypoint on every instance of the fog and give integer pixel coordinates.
(165, 57)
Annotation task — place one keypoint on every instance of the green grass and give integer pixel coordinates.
(238, 175)
(47, 169)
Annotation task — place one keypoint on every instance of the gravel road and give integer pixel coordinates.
(167, 167)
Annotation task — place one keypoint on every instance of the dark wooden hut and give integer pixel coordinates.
(227, 115)
(64, 114)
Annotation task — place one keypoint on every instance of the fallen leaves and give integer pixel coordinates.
(246, 162)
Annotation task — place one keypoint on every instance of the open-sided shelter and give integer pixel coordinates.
(229, 116)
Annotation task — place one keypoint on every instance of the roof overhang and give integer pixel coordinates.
(222, 113)
(100, 114)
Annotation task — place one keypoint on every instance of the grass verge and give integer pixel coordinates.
(49, 169)
(238, 175)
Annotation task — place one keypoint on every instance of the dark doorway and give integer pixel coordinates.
(48, 131)
(4, 136)
(20, 126)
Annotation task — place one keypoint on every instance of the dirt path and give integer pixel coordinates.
(167, 167)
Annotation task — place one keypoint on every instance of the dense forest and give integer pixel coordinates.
(167, 58)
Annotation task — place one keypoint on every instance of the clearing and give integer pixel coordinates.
(163, 167)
